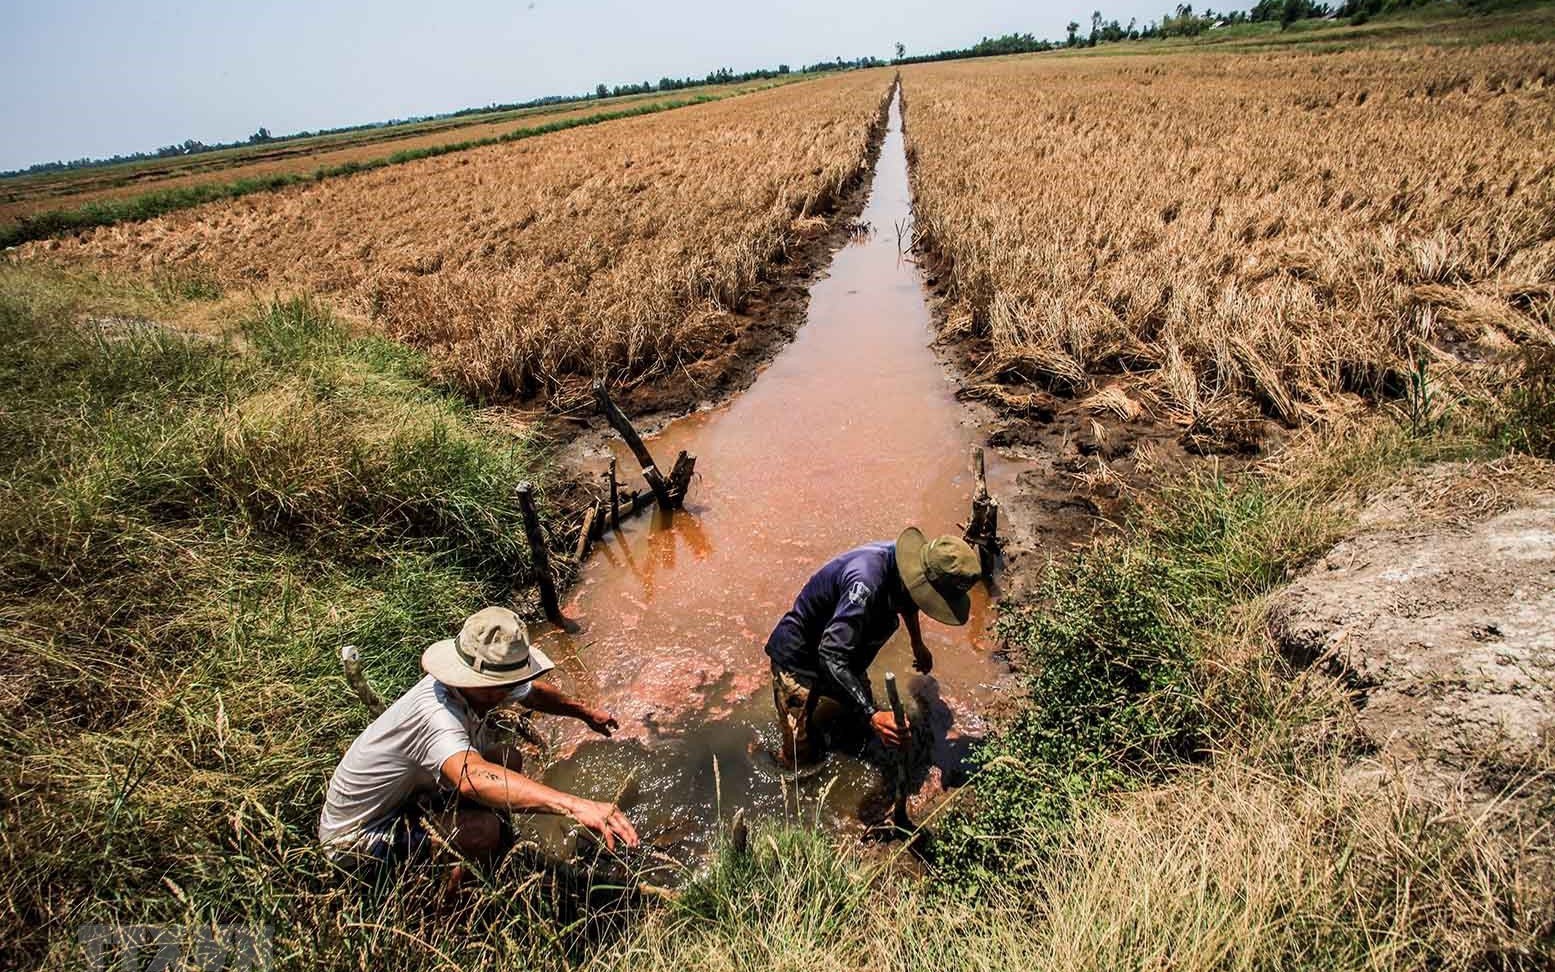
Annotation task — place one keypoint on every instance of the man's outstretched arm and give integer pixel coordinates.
(495, 786)
(553, 701)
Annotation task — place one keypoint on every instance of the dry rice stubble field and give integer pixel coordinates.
(29, 195)
(625, 250)
(1230, 244)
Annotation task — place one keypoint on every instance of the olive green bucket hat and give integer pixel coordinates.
(938, 573)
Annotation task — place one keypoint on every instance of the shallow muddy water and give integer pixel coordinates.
(850, 434)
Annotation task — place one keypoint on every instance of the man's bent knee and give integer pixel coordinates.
(472, 832)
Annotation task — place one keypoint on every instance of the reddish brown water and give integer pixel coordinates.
(849, 435)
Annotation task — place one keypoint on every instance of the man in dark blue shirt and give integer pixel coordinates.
(822, 648)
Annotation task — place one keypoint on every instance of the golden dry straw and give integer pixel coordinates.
(30, 195)
(1222, 236)
(621, 251)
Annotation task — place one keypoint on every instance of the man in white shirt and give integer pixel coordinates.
(421, 763)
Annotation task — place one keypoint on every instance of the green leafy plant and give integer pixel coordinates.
(1421, 410)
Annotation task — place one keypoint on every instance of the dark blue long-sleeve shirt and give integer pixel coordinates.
(840, 621)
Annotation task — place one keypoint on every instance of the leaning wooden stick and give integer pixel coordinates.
(619, 422)
(351, 661)
(899, 817)
(585, 534)
(539, 556)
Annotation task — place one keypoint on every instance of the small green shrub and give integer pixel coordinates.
(1109, 696)
(194, 284)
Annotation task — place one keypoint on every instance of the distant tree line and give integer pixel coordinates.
(1182, 21)
(728, 76)
(987, 47)
(194, 146)
(186, 147)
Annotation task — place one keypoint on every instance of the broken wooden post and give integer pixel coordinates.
(619, 422)
(680, 476)
(899, 818)
(351, 661)
(982, 529)
(983, 533)
(615, 497)
(539, 556)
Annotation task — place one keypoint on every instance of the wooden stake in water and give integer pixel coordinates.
(615, 497)
(539, 556)
(680, 476)
(982, 528)
(899, 817)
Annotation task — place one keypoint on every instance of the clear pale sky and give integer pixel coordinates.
(97, 77)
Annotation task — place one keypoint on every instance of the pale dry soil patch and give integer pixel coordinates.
(1438, 615)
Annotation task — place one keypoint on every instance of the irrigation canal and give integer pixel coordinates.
(851, 432)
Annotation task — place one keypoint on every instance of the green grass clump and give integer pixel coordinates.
(1109, 693)
(1528, 422)
(1112, 649)
(192, 526)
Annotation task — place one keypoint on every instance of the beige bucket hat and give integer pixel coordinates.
(938, 574)
(492, 649)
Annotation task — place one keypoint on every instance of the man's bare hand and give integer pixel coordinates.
(922, 659)
(601, 722)
(884, 724)
(606, 820)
